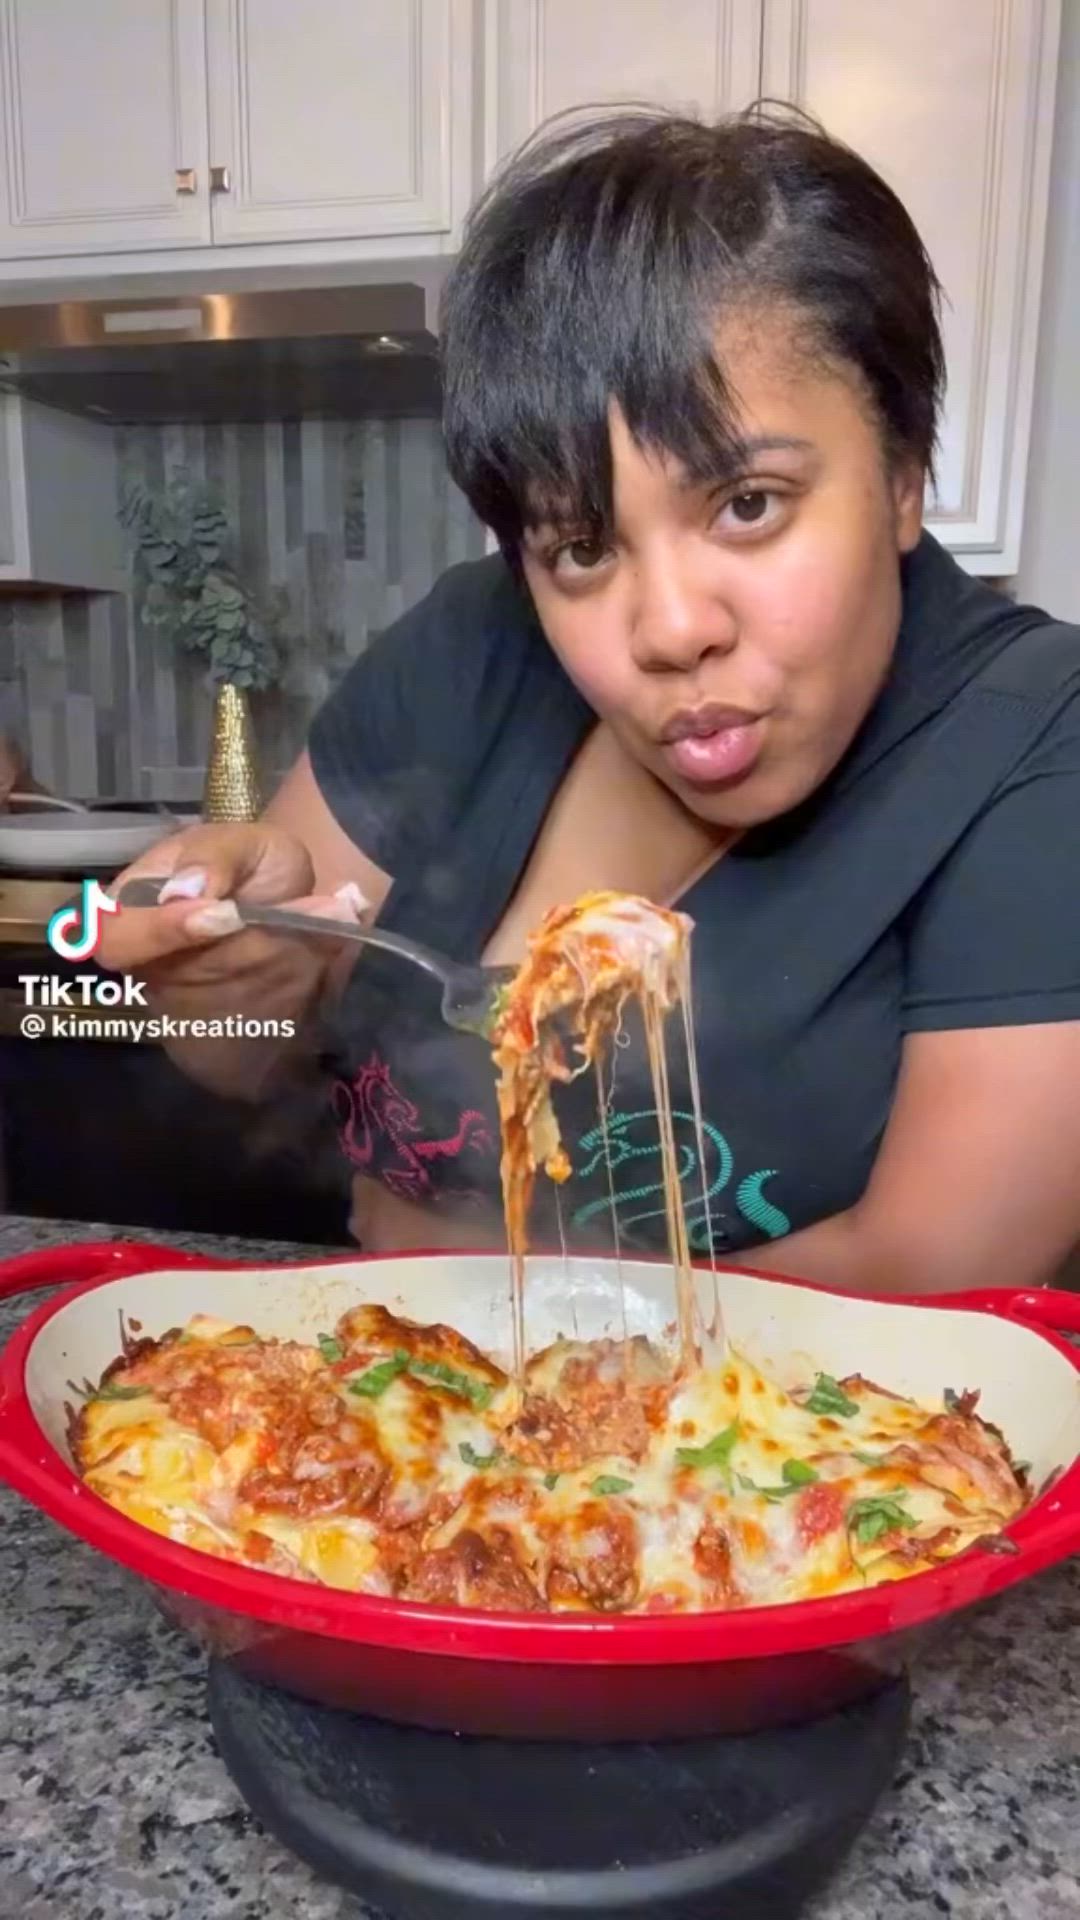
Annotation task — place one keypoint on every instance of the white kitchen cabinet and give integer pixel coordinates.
(58, 524)
(337, 119)
(341, 132)
(545, 56)
(954, 106)
(103, 109)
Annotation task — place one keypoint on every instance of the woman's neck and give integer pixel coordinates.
(610, 824)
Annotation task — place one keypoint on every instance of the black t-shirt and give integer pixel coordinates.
(933, 882)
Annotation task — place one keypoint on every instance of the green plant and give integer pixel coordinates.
(192, 590)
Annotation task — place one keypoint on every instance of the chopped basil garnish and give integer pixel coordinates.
(869, 1519)
(715, 1453)
(377, 1378)
(479, 1460)
(610, 1483)
(453, 1380)
(112, 1392)
(796, 1475)
(799, 1473)
(330, 1349)
(551, 1480)
(829, 1397)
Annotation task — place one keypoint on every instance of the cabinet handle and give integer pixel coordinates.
(186, 180)
(219, 180)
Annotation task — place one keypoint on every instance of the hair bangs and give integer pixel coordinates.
(598, 271)
(577, 317)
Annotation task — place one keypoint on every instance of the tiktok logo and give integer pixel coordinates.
(73, 932)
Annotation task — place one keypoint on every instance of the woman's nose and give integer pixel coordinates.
(675, 623)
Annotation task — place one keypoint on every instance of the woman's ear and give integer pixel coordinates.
(909, 494)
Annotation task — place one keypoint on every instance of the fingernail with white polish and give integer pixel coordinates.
(351, 896)
(187, 884)
(216, 918)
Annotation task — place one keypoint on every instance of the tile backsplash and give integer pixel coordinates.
(349, 522)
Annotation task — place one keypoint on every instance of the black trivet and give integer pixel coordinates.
(435, 1826)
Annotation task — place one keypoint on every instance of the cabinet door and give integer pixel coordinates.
(954, 107)
(336, 119)
(549, 55)
(103, 105)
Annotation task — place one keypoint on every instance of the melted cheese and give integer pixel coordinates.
(396, 1458)
(560, 1011)
(390, 1467)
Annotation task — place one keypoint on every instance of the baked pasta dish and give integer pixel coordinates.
(397, 1459)
(613, 1476)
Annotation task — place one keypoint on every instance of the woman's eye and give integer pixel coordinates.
(749, 507)
(755, 507)
(579, 556)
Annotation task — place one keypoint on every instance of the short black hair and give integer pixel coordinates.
(596, 268)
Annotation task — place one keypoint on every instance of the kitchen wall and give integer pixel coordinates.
(1049, 571)
(350, 522)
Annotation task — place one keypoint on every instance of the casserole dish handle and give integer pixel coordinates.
(1052, 1308)
(86, 1260)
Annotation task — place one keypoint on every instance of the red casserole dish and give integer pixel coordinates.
(562, 1675)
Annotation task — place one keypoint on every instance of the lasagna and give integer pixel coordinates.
(398, 1459)
(559, 1018)
(612, 1476)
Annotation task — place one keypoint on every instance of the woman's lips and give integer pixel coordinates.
(705, 754)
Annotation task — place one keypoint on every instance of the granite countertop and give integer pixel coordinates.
(982, 1821)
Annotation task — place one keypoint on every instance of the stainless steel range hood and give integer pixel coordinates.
(342, 352)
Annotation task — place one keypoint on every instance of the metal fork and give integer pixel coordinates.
(471, 994)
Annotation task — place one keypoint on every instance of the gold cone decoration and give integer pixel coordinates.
(232, 791)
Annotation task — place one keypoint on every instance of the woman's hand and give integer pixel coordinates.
(202, 871)
(196, 960)
(198, 964)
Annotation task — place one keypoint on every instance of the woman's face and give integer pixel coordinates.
(735, 636)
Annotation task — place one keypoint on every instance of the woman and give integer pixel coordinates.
(693, 379)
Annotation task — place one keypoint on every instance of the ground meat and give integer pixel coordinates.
(593, 1558)
(342, 1489)
(323, 1407)
(594, 1410)
(548, 1435)
(712, 1558)
(399, 1549)
(474, 1570)
(321, 1477)
(221, 1391)
(339, 1469)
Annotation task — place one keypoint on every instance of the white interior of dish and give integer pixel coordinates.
(1028, 1389)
